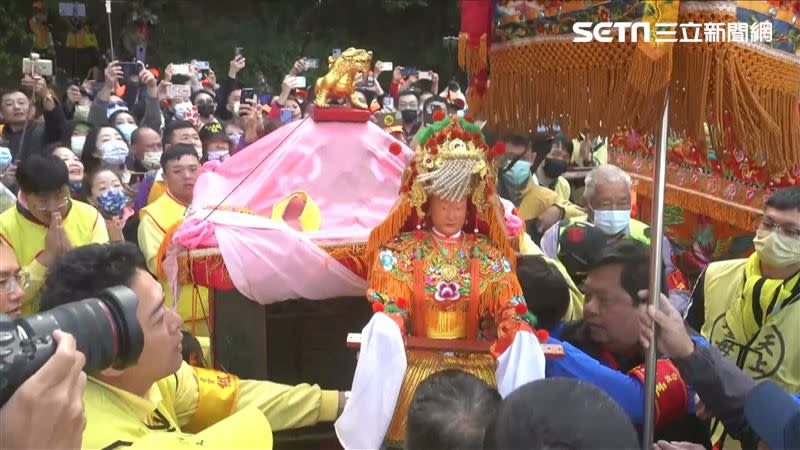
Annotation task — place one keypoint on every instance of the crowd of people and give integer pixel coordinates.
(93, 179)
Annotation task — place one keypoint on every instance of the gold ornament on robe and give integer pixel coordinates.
(339, 82)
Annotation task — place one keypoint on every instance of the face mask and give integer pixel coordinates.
(612, 222)
(81, 113)
(152, 160)
(127, 130)
(199, 151)
(76, 144)
(409, 115)
(5, 158)
(220, 155)
(184, 111)
(114, 152)
(206, 109)
(236, 108)
(235, 139)
(112, 109)
(112, 202)
(554, 168)
(519, 174)
(75, 186)
(776, 249)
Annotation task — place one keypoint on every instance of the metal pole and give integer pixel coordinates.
(657, 227)
(110, 32)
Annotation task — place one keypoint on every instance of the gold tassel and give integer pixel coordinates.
(472, 59)
(389, 228)
(162, 249)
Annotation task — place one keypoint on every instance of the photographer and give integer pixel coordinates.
(46, 412)
(162, 395)
(105, 103)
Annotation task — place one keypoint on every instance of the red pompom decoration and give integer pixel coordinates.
(401, 303)
(468, 118)
(499, 148)
(377, 307)
(520, 309)
(395, 148)
(403, 188)
(438, 115)
(543, 335)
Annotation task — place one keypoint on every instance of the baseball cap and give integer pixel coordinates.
(212, 131)
(774, 416)
(578, 245)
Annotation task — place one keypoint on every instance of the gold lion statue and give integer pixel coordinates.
(339, 83)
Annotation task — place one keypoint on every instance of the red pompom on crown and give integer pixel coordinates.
(401, 303)
(499, 148)
(395, 148)
(542, 335)
(377, 307)
(438, 115)
(520, 309)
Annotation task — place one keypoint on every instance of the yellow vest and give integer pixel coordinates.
(170, 409)
(562, 189)
(770, 354)
(576, 299)
(165, 212)
(82, 224)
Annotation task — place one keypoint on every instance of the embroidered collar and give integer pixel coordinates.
(441, 235)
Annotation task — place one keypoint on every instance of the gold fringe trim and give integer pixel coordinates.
(389, 228)
(421, 365)
(700, 204)
(472, 59)
(162, 249)
(476, 103)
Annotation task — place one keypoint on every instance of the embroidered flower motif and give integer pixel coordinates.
(388, 260)
(506, 265)
(447, 292)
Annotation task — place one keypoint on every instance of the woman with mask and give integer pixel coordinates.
(206, 104)
(106, 146)
(549, 174)
(74, 166)
(124, 122)
(75, 136)
(105, 191)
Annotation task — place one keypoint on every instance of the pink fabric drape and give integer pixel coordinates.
(346, 168)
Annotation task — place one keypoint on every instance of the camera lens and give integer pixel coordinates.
(105, 328)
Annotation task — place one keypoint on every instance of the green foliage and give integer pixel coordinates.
(15, 40)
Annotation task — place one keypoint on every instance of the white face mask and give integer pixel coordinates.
(152, 160)
(219, 155)
(183, 110)
(612, 222)
(776, 249)
(81, 112)
(114, 152)
(5, 158)
(76, 144)
(127, 129)
(236, 108)
(199, 151)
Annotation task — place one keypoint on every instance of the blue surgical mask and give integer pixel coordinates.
(112, 202)
(114, 152)
(519, 174)
(127, 130)
(220, 155)
(5, 158)
(612, 222)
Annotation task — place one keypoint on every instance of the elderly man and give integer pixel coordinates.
(608, 201)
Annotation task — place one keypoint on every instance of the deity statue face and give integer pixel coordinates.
(447, 217)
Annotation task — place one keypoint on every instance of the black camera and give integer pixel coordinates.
(105, 328)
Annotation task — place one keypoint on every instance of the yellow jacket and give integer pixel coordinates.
(20, 230)
(770, 353)
(536, 199)
(194, 400)
(156, 219)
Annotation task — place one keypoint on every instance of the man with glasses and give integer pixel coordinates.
(750, 308)
(12, 283)
(45, 222)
